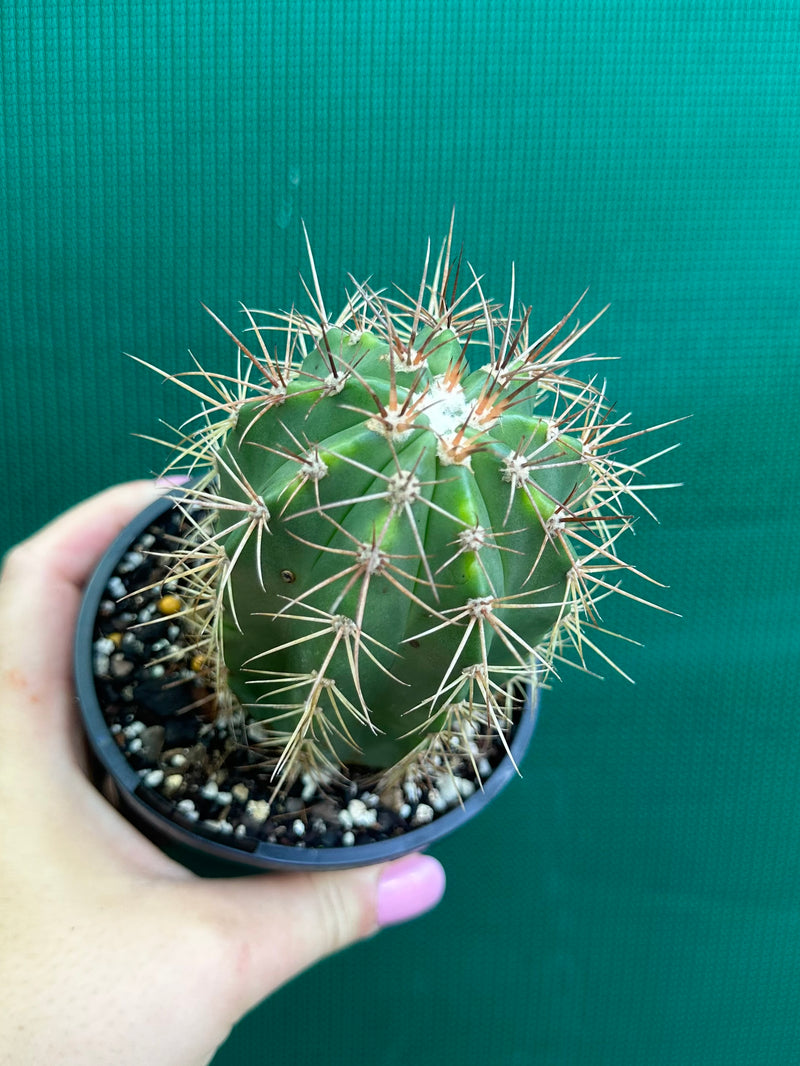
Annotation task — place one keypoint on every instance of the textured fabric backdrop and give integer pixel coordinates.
(635, 899)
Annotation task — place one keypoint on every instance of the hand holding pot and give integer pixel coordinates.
(108, 949)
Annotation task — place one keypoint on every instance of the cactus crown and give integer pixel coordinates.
(400, 512)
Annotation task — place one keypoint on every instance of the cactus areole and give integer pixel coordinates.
(397, 514)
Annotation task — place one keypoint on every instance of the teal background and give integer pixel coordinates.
(636, 897)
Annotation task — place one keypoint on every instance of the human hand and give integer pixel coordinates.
(109, 950)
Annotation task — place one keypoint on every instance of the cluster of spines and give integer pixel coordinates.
(413, 330)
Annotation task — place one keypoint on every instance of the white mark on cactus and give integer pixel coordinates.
(446, 407)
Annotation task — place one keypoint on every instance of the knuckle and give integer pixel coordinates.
(344, 912)
(18, 561)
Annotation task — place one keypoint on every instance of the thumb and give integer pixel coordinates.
(282, 924)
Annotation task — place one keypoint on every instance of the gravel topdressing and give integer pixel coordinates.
(210, 776)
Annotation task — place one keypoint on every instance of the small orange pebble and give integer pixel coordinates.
(115, 638)
(197, 663)
(169, 605)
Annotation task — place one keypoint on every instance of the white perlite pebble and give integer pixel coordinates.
(172, 783)
(446, 793)
(451, 789)
(345, 819)
(484, 767)
(210, 790)
(258, 810)
(224, 799)
(154, 778)
(298, 827)
(104, 646)
(361, 814)
(422, 815)
(135, 729)
(225, 828)
(187, 808)
(309, 788)
(240, 792)
(412, 791)
(405, 811)
(178, 759)
(116, 588)
(129, 562)
(348, 839)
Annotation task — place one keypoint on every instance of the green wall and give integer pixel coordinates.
(635, 899)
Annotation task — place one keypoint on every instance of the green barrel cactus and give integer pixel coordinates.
(403, 512)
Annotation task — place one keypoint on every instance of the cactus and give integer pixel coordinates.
(401, 512)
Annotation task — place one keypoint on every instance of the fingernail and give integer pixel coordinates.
(408, 888)
(172, 481)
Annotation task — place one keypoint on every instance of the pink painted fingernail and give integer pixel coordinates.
(172, 481)
(408, 888)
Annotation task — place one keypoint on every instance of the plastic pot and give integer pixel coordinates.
(166, 825)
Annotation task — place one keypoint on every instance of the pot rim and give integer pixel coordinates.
(150, 810)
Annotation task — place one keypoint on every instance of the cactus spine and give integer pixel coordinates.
(402, 511)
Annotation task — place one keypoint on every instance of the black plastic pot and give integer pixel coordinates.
(152, 813)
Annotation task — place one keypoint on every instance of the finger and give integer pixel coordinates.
(281, 924)
(69, 547)
(40, 589)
